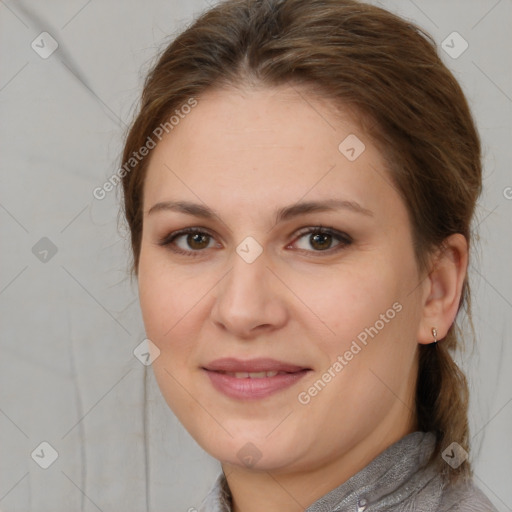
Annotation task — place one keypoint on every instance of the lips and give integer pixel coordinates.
(251, 375)
(254, 378)
(230, 364)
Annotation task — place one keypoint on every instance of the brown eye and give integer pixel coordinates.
(190, 241)
(321, 239)
(194, 241)
(197, 240)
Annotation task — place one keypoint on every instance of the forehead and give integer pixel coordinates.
(265, 146)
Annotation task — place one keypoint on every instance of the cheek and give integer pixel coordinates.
(161, 297)
(172, 300)
(168, 314)
(369, 312)
(351, 298)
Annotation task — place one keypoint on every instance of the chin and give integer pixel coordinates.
(254, 449)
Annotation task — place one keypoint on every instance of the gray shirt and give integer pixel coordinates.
(399, 479)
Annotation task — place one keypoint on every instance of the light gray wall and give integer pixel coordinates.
(70, 320)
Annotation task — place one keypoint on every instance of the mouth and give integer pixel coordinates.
(252, 375)
(254, 378)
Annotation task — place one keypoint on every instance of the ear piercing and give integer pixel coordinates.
(434, 334)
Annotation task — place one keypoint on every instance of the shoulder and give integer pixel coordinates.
(465, 496)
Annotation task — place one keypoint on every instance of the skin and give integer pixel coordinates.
(246, 153)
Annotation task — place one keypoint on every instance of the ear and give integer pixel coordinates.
(443, 288)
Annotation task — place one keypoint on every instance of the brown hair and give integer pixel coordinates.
(385, 68)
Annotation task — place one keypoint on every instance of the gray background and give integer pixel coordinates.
(70, 320)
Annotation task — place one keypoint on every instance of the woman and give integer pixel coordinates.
(299, 184)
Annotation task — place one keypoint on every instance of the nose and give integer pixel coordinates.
(250, 300)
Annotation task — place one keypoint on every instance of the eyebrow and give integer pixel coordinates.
(283, 214)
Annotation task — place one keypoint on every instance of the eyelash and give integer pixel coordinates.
(344, 239)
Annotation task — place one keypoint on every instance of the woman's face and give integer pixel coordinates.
(260, 289)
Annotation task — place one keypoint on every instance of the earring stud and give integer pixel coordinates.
(434, 334)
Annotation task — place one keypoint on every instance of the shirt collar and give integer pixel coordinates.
(400, 475)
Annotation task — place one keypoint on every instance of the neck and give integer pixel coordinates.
(274, 491)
